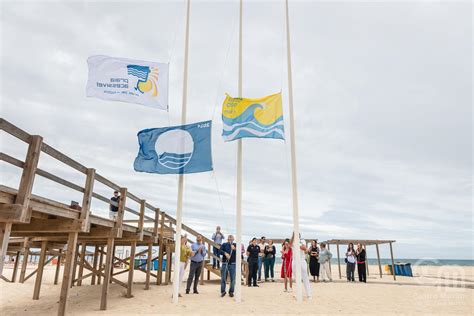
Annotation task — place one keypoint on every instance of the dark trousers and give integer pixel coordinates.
(194, 273)
(253, 268)
(350, 267)
(269, 264)
(362, 272)
(215, 262)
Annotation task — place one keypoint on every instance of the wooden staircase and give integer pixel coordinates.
(208, 266)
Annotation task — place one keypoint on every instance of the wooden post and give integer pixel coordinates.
(201, 281)
(168, 264)
(58, 267)
(148, 265)
(330, 269)
(86, 201)
(366, 260)
(24, 263)
(5, 230)
(74, 265)
(339, 261)
(28, 176)
(210, 259)
(67, 274)
(94, 263)
(101, 259)
(15, 267)
(159, 273)
(120, 212)
(393, 263)
(141, 220)
(155, 225)
(107, 273)
(113, 263)
(39, 274)
(378, 259)
(81, 266)
(131, 268)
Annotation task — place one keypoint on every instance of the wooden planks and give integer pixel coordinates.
(107, 273)
(39, 274)
(67, 274)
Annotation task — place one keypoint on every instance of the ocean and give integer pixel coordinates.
(413, 262)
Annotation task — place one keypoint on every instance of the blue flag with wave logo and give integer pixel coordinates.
(175, 150)
(261, 118)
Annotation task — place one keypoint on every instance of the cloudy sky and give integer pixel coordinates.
(383, 105)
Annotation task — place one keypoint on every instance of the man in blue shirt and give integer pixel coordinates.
(198, 253)
(227, 251)
(217, 237)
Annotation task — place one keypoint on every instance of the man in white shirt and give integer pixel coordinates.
(304, 267)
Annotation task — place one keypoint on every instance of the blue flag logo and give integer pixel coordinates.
(175, 149)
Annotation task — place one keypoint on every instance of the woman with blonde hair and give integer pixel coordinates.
(286, 271)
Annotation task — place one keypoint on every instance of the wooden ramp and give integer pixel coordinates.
(67, 233)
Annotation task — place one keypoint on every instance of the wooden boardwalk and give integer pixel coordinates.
(68, 233)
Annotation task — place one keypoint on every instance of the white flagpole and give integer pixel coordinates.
(179, 208)
(238, 235)
(296, 226)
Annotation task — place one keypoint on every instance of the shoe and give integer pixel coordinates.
(273, 280)
(195, 292)
(256, 285)
(266, 280)
(187, 291)
(231, 294)
(290, 290)
(285, 290)
(179, 295)
(249, 285)
(223, 294)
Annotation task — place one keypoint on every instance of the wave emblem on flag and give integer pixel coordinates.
(175, 149)
(147, 78)
(128, 80)
(260, 118)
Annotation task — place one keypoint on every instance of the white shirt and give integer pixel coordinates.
(302, 253)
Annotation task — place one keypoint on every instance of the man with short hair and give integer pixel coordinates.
(228, 252)
(113, 208)
(198, 252)
(217, 237)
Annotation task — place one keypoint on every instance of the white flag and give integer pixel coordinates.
(128, 80)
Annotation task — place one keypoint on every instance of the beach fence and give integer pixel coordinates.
(75, 235)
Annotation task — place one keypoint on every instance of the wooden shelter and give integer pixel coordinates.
(65, 232)
(364, 243)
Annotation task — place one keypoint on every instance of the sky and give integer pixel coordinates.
(382, 99)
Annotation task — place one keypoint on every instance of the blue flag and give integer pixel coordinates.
(175, 149)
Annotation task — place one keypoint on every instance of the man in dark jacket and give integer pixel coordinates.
(227, 251)
(253, 251)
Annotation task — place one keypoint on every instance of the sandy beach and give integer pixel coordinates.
(432, 290)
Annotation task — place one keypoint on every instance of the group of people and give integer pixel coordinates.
(262, 253)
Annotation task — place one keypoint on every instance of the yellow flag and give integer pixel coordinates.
(262, 117)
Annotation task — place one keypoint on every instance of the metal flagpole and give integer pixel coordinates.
(296, 226)
(238, 237)
(179, 208)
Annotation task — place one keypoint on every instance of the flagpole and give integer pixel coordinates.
(294, 188)
(238, 237)
(179, 208)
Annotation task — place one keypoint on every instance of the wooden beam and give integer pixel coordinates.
(168, 265)
(10, 212)
(48, 226)
(58, 267)
(5, 230)
(15, 267)
(121, 210)
(74, 265)
(131, 268)
(159, 273)
(148, 265)
(36, 270)
(81, 266)
(28, 175)
(393, 262)
(155, 225)
(366, 260)
(378, 259)
(141, 219)
(94, 263)
(24, 263)
(101, 259)
(67, 274)
(86, 200)
(107, 273)
(339, 261)
(39, 274)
